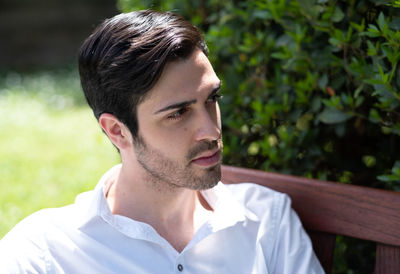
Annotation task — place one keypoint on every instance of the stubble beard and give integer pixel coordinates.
(164, 173)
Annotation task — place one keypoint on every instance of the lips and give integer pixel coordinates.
(208, 159)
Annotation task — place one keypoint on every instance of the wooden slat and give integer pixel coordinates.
(354, 211)
(324, 247)
(387, 259)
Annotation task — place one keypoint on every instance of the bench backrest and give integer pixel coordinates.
(327, 209)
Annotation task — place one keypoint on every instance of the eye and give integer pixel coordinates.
(178, 114)
(214, 98)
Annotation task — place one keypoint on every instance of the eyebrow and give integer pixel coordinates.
(190, 102)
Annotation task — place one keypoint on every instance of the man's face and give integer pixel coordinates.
(179, 142)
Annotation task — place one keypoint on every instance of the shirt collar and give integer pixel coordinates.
(93, 204)
(227, 210)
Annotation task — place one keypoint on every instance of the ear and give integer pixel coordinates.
(118, 133)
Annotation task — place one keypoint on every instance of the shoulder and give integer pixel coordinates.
(259, 199)
(39, 221)
(45, 222)
(248, 189)
(25, 248)
(37, 226)
(285, 244)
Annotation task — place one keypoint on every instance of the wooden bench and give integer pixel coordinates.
(327, 209)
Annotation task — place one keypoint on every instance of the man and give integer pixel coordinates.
(147, 78)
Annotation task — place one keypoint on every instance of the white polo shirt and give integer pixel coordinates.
(252, 230)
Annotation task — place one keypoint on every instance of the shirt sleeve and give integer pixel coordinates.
(293, 251)
(22, 252)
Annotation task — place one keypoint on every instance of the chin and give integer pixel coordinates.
(210, 178)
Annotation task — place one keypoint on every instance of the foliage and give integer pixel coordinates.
(51, 147)
(311, 87)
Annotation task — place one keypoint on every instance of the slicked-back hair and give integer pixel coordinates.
(125, 56)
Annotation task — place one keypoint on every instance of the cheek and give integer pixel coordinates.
(174, 143)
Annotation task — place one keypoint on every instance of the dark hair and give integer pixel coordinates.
(125, 56)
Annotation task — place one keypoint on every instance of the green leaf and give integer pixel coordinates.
(280, 55)
(358, 90)
(371, 49)
(253, 149)
(323, 81)
(373, 81)
(372, 31)
(374, 116)
(384, 76)
(358, 27)
(349, 33)
(396, 168)
(395, 3)
(369, 160)
(333, 116)
(338, 15)
(334, 41)
(388, 178)
(382, 22)
(309, 7)
(262, 14)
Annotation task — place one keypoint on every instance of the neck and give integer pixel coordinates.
(175, 213)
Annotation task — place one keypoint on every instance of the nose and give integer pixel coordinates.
(208, 126)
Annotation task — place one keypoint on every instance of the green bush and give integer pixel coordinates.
(311, 87)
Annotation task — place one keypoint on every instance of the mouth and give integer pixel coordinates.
(208, 159)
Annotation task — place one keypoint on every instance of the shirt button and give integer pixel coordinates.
(180, 267)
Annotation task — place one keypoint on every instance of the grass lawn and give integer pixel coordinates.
(51, 147)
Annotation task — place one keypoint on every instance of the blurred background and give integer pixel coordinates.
(51, 147)
(311, 88)
(43, 33)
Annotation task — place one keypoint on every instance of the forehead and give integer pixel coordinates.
(184, 80)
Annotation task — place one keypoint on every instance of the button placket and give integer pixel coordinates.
(180, 267)
(180, 264)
